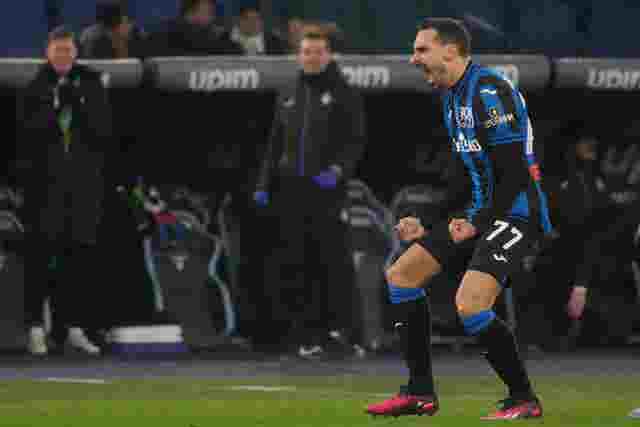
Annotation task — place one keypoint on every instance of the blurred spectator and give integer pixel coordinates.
(113, 36)
(316, 141)
(337, 37)
(584, 189)
(249, 33)
(577, 201)
(603, 268)
(621, 169)
(331, 29)
(193, 33)
(604, 274)
(64, 131)
(295, 29)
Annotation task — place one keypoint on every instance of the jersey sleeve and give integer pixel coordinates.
(500, 112)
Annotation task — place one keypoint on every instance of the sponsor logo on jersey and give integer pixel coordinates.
(614, 78)
(212, 80)
(367, 76)
(464, 117)
(464, 145)
(496, 119)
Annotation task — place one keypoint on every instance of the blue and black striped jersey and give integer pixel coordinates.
(491, 134)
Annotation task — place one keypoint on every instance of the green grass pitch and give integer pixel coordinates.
(301, 401)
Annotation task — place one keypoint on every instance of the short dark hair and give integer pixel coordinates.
(110, 13)
(450, 31)
(60, 33)
(317, 33)
(187, 6)
(249, 8)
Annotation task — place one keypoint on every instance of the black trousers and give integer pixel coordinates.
(308, 272)
(64, 272)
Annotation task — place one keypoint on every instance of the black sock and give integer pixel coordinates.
(414, 326)
(504, 358)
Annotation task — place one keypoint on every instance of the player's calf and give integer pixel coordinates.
(475, 299)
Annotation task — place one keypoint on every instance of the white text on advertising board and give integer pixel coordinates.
(367, 76)
(509, 71)
(211, 80)
(614, 78)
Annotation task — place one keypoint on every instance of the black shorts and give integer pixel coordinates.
(498, 252)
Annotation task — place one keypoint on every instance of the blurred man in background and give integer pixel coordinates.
(295, 31)
(193, 33)
(113, 36)
(602, 273)
(316, 141)
(65, 131)
(249, 33)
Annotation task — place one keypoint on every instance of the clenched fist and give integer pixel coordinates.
(410, 228)
(461, 229)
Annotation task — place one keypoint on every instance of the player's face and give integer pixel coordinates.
(314, 55)
(431, 55)
(61, 54)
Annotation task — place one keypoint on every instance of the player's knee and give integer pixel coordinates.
(464, 306)
(476, 322)
(473, 312)
(400, 287)
(397, 277)
(465, 311)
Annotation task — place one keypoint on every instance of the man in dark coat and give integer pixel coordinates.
(193, 33)
(64, 123)
(114, 36)
(316, 141)
(249, 32)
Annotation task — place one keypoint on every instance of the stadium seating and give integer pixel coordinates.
(23, 30)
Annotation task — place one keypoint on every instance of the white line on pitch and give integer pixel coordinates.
(75, 380)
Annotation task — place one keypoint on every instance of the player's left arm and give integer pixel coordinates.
(503, 127)
(511, 178)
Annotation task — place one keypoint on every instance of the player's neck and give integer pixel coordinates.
(458, 70)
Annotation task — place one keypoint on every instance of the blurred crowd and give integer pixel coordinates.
(197, 31)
